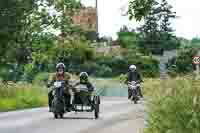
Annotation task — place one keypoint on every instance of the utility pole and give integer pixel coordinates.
(97, 19)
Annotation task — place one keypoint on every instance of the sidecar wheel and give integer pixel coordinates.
(55, 115)
(96, 111)
(135, 101)
(61, 115)
(98, 97)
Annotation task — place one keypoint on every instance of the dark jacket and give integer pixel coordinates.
(133, 76)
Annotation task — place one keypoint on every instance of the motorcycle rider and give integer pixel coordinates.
(133, 75)
(60, 75)
(85, 81)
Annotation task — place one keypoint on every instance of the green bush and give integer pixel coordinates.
(182, 64)
(121, 78)
(148, 66)
(105, 71)
(118, 65)
(4, 73)
(41, 77)
(127, 39)
(104, 60)
(90, 67)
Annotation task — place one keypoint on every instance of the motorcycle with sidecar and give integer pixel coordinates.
(84, 100)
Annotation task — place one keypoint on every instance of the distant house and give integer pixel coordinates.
(85, 18)
(102, 49)
(115, 43)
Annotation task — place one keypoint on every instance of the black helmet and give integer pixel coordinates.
(83, 76)
(60, 65)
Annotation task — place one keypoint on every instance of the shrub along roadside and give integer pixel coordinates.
(173, 105)
(182, 64)
(21, 96)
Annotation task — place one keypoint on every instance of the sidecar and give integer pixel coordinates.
(86, 101)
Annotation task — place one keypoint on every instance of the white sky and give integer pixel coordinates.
(110, 19)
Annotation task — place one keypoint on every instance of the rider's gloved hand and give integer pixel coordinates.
(48, 85)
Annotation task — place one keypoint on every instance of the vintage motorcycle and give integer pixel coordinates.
(58, 102)
(84, 100)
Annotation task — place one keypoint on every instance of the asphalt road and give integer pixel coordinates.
(112, 111)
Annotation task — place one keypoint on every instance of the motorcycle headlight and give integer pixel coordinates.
(53, 93)
(138, 85)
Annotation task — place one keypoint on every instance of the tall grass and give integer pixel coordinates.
(173, 105)
(20, 96)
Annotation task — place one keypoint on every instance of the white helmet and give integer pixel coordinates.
(132, 67)
(60, 65)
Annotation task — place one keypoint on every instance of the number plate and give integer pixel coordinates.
(57, 84)
(84, 107)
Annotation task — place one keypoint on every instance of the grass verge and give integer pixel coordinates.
(173, 105)
(21, 96)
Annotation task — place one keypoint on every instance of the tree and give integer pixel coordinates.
(169, 41)
(149, 31)
(166, 14)
(138, 9)
(182, 64)
(66, 9)
(124, 28)
(127, 39)
(156, 34)
(195, 40)
(23, 22)
(13, 17)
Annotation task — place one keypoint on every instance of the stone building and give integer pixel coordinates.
(86, 18)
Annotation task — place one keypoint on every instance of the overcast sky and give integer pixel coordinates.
(110, 19)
